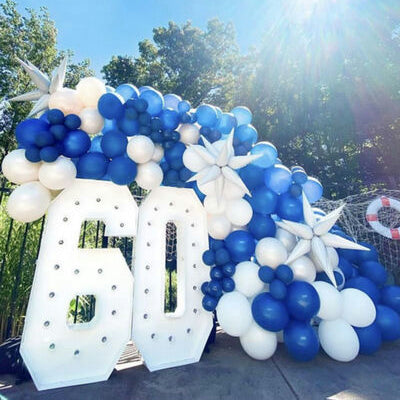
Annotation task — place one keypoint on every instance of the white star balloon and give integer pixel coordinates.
(314, 237)
(45, 86)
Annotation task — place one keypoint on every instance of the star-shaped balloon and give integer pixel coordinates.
(45, 86)
(221, 164)
(314, 237)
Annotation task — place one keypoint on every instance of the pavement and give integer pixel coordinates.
(226, 372)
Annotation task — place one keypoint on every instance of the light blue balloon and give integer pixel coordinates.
(313, 189)
(207, 115)
(154, 100)
(268, 152)
(109, 125)
(95, 145)
(243, 115)
(127, 91)
(172, 100)
(278, 179)
(226, 123)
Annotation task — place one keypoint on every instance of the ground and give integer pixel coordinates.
(226, 372)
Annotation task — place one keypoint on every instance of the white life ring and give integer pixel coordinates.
(372, 217)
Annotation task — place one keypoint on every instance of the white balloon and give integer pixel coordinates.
(57, 175)
(192, 161)
(66, 100)
(358, 308)
(232, 191)
(333, 257)
(213, 205)
(331, 304)
(246, 279)
(149, 175)
(259, 343)
(90, 89)
(158, 153)
(303, 269)
(91, 121)
(140, 149)
(28, 202)
(270, 252)
(190, 133)
(339, 340)
(219, 226)
(286, 238)
(239, 212)
(234, 313)
(17, 169)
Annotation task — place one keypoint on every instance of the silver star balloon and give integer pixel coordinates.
(221, 164)
(314, 237)
(45, 86)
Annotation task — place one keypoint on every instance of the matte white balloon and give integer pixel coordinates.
(234, 313)
(190, 133)
(331, 303)
(239, 212)
(246, 279)
(158, 153)
(91, 121)
(140, 149)
(286, 238)
(57, 175)
(219, 226)
(303, 269)
(192, 160)
(358, 308)
(17, 169)
(270, 252)
(67, 100)
(339, 340)
(214, 206)
(28, 202)
(90, 89)
(149, 175)
(259, 343)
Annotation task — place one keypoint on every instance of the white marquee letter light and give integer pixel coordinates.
(168, 340)
(58, 354)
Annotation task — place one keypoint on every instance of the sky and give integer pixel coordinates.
(98, 29)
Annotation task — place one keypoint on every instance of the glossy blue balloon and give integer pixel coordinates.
(278, 179)
(122, 170)
(127, 91)
(245, 134)
(216, 273)
(172, 101)
(169, 118)
(229, 269)
(261, 226)
(302, 301)
(242, 114)
(241, 245)
(284, 273)
(366, 286)
(27, 130)
(76, 143)
(154, 100)
(370, 338)
(92, 165)
(301, 340)
(390, 296)
(252, 176)
(268, 152)
(222, 256)
(209, 303)
(313, 190)
(277, 289)
(269, 313)
(226, 123)
(215, 244)
(206, 115)
(96, 144)
(263, 200)
(215, 288)
(266, 274)
(209, 257)
(289, 207)
(299, 176)
(114, 144)
(174, 155)
(228, 284)
(110, 105)
(388, 322)
(373, 270)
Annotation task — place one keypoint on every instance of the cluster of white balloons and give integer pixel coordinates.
(39, 182)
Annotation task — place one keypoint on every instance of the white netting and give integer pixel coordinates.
(354, 223)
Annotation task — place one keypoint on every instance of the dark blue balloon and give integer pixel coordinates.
(140, 105)
(388, 322)
(209, 257)
(128, 126)
(76, 143)
(206, 115)
(209, 303)
(277, 289)
(169, 118)
(322, 276)
(185, 174)
(370, 338)
(373, 270)
(92, 165)
(261, 226)
(366, 286)
(215, 244)
(390, 296)
(302, 301)
(172, 176)
(245, 134)
(216, 273)
(44, 138)
(346, 267)
(241, 245)
(252, 176)
(32, 154)
(55, 116)
(59, 131)
(269, 313)
(222, 256)
(263, 200)
(229, 269)
(174, 155)
(49, 153)
(72, 122)
(228, 284)
(301, 340)
(154, 100)
(114, 144)
(184, 106)
(284, 273)
(215, 288)
(110, 105)
(122, 170)
(266, 274)
(27, 130)
(204, 288)
(226, 123)
(289, 208)
(362, 255)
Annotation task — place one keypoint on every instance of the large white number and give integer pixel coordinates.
(168, 340)
(55, 353)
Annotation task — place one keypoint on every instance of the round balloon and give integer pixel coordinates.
(301, 341)
(17, 169)
(302, 301)
(240, 245)
(246, 279)
(259, 343)
(239, 212)
(270, 252)
(58, 174)
(303, 269)
(331, 303)
(149, 175)
(358, 308)
(91, 121)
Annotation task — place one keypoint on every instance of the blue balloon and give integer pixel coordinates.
(127, 91)
(388, 322)
(390, 296)
(109, 125)
(27, 130)
(301, 341)
(215, 288)
(313, 190)
(49, 153)
(172, 101)
(370, 338)
(295, 190)
(144, 88)
(184, 106)
(228, 284)
(269, 313)
(252, 176)
(76, 143)
(169, 118)
(278, 179)
(55, 116)
(268, 152)
(122, 170)
(32, 154)
(339, 277)
(215, 244)
(266, 274)
(206, 115)
(129, 126)
(226, 123)
(241, 245)
(302, 301)
(174, 155)
(366, 286)
(289, 207)
(362, 255)
(45, 138)
(114, 144)
(72, 122)
(209, 257)
(92, 165)
(261, 226)
(284, 273)
(59, 131)
(209, 303)
(299, 176)
(110, 105)
(216, 273)
(243, 115)
(346, 267)
(229, 269)
(154, 100)
(373, 270)
(263, 200)
(96, 144)
(245, 134)
(222, 256)
(277, 289)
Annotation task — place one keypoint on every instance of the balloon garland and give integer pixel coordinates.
(279, 268)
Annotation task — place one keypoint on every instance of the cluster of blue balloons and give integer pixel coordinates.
(277, 279)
